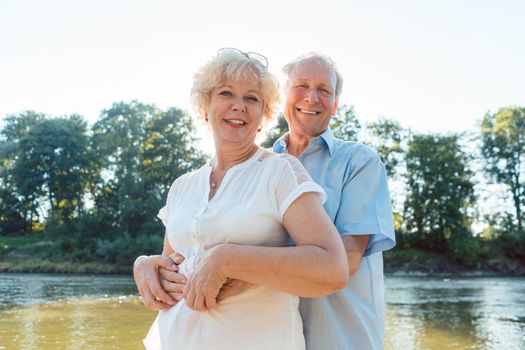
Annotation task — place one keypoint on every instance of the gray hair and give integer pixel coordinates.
(312, 55)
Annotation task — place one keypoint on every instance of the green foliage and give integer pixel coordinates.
(503, 148)
(122, 167)
(141, 151)
(124, 249)
(344, 124)
(16, 129)
(11, 220)
(464, 248)
(49, 167)
(95, 192)
(440, 191)
(511, 244)
(273, 134)
(386, 138)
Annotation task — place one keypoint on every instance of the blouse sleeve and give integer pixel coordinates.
(293, 181)
(164, 211)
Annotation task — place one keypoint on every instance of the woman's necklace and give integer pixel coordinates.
(214, 184)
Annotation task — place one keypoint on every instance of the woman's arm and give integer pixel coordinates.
(316, 266)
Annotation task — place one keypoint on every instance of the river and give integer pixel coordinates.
(39, 311)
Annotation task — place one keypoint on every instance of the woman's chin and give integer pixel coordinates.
(236, 139)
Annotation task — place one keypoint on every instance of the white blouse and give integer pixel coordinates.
(247, 209)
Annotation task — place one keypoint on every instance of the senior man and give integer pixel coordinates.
(358, 203)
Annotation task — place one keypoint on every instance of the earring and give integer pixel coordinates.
(260, 128)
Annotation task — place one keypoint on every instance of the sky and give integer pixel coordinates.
(434, 66)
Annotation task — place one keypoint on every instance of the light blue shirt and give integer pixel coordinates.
(355, 181)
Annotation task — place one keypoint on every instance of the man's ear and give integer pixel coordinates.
(336, 104)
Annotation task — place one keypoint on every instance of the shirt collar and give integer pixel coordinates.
(327, 137)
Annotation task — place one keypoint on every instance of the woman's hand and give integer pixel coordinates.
(173, 281)
(145, 272)
(207, 279)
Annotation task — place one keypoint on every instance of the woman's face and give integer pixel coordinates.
(235, 112)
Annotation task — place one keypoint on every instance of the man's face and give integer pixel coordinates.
(310, 98)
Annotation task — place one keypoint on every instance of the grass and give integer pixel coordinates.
(24, 265)
(40, 253)
(36, 253)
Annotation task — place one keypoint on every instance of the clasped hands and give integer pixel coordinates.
(161, 285)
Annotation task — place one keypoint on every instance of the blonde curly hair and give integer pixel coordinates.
(233, 65)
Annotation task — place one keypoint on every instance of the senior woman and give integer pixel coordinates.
(233, 218)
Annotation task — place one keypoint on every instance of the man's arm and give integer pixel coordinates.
(355, 246)
(365, 209)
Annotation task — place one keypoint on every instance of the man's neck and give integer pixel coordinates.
(297, 144)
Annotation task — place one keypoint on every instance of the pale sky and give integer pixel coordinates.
(431, 65)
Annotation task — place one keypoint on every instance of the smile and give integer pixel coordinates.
(306, 111)
(235, 121)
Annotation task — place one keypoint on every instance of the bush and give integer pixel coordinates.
(464, 249)
(512, 245)
(124, 249)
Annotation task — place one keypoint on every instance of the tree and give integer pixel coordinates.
(273, 134)
(386, 138)
(439, 192)
(503, 149)
(52, 164)
(345, 124)
(140, 152)
(11, 219)
(15, 129)
(117, 138)
(168, 152)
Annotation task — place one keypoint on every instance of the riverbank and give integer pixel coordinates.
(398, 263)
(38, 253)
(414, 262)
(25, 264)
(33, 254)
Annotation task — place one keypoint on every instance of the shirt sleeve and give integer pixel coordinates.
(365, 204)
(293, 182)
(163, 214)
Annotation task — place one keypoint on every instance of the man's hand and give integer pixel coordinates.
(205, 282)
(231, 288)
(145, 272)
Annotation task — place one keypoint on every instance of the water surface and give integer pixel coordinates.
(455, 313)
(39, 311)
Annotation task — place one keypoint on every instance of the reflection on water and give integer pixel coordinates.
(104, 312)
(39, 311)
(455, 313)
(23, 289)
(113, 323)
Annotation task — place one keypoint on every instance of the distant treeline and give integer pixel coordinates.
(94, 192)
